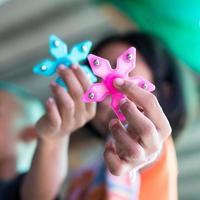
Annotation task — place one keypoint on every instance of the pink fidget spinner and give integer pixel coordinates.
(102, 68)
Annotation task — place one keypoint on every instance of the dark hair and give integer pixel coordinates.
(164, 67)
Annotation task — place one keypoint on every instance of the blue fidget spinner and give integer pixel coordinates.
(58, 49)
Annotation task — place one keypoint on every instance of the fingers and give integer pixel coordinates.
(64, 103)
(116, 166)
(75, 90)
(85, 83)
(148, 102)
(70, 104)
(77, 82)
(124, 153)
(127, 148)
(82, 77)
(140, 125)
(69, 78)
(142, 141)
(53, 113)
(51, 121)
(67, 112)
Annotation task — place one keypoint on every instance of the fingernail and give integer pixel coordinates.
(110, 146)
(118, 82)
(50, 101)
(74, 66)
(123, 101)
(53, 84)
(112, 123)
(61, 67)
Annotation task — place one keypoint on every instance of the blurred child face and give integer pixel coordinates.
(9, 109)
(111, 52)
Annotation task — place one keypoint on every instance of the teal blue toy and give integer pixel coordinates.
(58, 49)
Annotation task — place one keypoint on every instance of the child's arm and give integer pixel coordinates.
(65, 113)
(141, 143)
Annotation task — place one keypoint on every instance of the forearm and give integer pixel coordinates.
(49, 168)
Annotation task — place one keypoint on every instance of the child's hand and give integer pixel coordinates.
(66, 112)
(141, 143)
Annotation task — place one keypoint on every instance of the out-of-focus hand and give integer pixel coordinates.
(66, 112)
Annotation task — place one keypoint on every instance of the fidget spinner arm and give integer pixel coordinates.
(102, 68)
(59, 51)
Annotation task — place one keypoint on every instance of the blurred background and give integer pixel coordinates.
(25, 26)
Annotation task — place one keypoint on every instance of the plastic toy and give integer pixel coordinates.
(58, 49)
(102, 68)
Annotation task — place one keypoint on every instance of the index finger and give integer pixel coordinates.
(85, 82)
(82, 77)
(146, 100)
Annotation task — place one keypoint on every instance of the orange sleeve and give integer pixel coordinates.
(159, 181)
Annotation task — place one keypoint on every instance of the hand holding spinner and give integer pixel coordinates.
(58, 49)
(102, 68)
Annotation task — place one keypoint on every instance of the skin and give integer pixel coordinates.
(140, 144)
(9, 111)
(65, 113)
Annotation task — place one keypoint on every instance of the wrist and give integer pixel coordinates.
(53, 142)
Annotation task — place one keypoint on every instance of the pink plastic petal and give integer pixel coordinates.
(96, 93)
(141, 82)
(116, 98)
(100, 66)
(126, 61)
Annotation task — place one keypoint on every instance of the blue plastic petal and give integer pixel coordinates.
(88, 71)
(64, 60)
(45, 68)
(80, 51)
(57, 47)
(60, 82)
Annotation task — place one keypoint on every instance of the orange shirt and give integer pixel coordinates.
(155, 182)
(159, 181)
